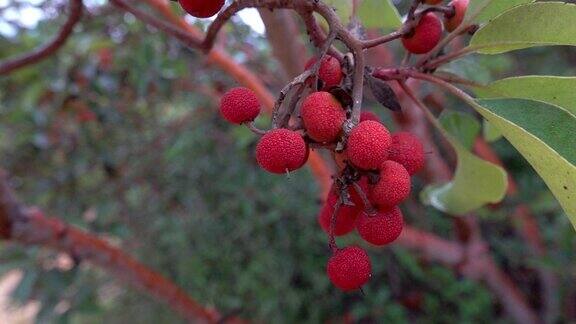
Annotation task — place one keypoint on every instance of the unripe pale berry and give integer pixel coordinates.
(368, 115)
(330, 71)
(202, 8)
(281, 150)
(345, 217)
(407, 149)
(393, 187)
(239, 105)
(426, 35)
(432, 2)
(368, 144)
(382, 228)
(460, 7)
(323, 116)
(349, 268)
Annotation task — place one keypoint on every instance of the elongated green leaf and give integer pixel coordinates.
(379, 14)
(490, 133)
(493, 9)
(535, 24)
(560, 91)
(476, 182)
(545, 135)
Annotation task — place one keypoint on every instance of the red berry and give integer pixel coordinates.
(407, 150)
(239, 105)
(393, 187)
(281, 150)
(349, 268)
(368, 144)
(202, 8)
(432, 2)
(460, 7)
(368, 115)
(345, 218)
(382, 228)
(330, 71)
(323, 116)
(426, 35)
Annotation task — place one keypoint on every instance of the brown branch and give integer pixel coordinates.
(30, 227)
(49, 48)
(477, 262)
(527, 226)
(317, 35)
(282, 34)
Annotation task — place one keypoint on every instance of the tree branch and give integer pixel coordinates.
(49, 48)
(30, 227)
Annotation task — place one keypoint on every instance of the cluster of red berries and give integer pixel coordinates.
(374, 168)
(427, 34)
(366, 196)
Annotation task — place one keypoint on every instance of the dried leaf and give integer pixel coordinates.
(383, 93)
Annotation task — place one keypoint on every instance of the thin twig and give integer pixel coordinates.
(49, 48)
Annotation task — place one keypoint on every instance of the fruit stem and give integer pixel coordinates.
(252, 126)
(332, 240)
(368, 208)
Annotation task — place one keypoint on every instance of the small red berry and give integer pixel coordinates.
(202, 8)
(345, 217)
(239, 105)
(349, 268)
(426, 35)
(407, 149)
(382, 228)
(368, 144)
(323, 116)
(368, 115)
(460, 7)
(330, 71)
(281, 150)
(393, 187)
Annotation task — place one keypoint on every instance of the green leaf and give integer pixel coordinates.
(545, 135)
(462, 126)
(490, 133)
(560, 91)
(493, 9)
(343, 9)
(535, 24)
(379, 14)
(476, 182)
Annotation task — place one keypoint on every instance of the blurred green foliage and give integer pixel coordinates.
(119, 134)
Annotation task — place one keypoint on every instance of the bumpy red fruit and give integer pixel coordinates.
(330, 71)
(202, 8)
(368, 115)
(454, 21)
(239, 105)
(407, 150)
(382, 228)
(323, 116)
(349, 268)
(281, 150)
(393, 187)
(368, 144)
(426, 35)
(345, 217)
